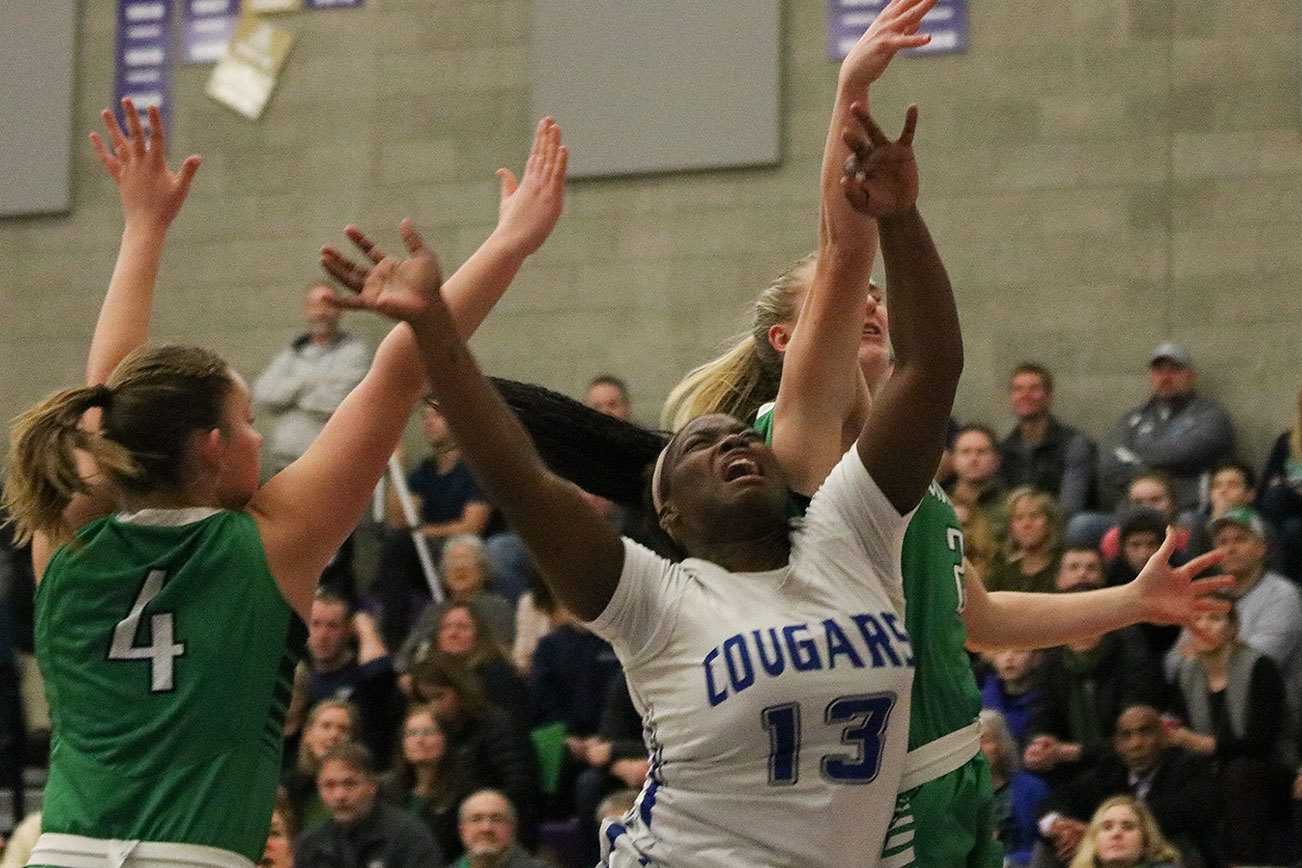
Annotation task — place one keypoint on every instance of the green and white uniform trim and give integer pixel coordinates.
(168, 654)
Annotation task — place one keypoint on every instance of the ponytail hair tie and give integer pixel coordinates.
(101, 396)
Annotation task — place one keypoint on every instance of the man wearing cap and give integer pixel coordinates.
(1269, 605)
(1176, 430)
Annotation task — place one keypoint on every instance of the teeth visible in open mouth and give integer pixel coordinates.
(740, 467)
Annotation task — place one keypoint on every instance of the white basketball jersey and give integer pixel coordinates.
(775, 705)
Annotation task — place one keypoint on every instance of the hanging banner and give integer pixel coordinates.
(246, 75)
(141, 55)
(269, 7)
(334, 4)
(947, 22)
(206, 25)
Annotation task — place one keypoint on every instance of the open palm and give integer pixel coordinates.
(401, 289)
(1172, 595)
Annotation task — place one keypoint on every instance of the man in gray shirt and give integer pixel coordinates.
(1176, 430)
(309, 379)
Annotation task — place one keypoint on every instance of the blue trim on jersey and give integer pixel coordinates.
(648, 802)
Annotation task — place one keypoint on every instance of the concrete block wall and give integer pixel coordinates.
(1100, 176)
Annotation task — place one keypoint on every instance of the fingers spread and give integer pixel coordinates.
(910, 126)
(410, 236)
(188, 168)
(1202, 562)
(110, 162)
(364, 244)
(156, 142)
(136, 136)
(115, 132)
(342, 270)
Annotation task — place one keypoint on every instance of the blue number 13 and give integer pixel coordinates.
(864, 719)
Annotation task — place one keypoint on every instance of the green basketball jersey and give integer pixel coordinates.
(168, 655)
(945, 693)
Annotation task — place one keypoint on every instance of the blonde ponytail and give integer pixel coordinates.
(42, 475)
(747, 375)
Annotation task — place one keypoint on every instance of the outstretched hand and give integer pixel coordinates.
(894, 28)
(402, 289)
(881, 176)
(1171, 595)
(530, 207)
(136, 162)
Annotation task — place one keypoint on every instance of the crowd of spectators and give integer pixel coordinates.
(489, 724)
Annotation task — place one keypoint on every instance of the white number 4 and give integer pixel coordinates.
(162, 651)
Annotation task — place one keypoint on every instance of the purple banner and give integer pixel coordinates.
(847, 20)
(206, 27)
(142, 56)
(333, 4)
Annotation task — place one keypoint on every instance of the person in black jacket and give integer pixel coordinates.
(485, 748)
(1232, 698)
(362, 832)
(1086, 686)
(1177, 786)
(1041, 451)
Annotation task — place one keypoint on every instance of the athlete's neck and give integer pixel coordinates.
(166, 499)
(748, 556)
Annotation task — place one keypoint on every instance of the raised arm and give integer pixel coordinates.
(577, 552)
(823, 397)
(151, 196)
(527, 213)
(904, 436)
(1160, 594)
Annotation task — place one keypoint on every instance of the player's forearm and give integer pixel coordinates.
(124, 317)
(925, 329)
(1012, 619)
(480, 282)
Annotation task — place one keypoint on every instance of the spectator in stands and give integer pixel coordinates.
(1081, 566)
(979, 544)
(1124, 834)
(1280, 500)
(309, 379)
(347, 660)
(1013, 689)
(488, 833)
(1017, 793)
(1233, 483)
(1140, 535)
(1233, 700)
(535, 617)
(1150, 490)
(464, 568)
(1041, 451)
(616, 758)
(1031, 552)
(485, 748)
(1176, 430)
(1269, 606)
(448, 503)
(609, 394)
(976, 482)
(572, 671)
(363, 831)
(330, 723)
(463, 635)
(420, 782)
(1086, 686)
(278, 851)
(1177, 786)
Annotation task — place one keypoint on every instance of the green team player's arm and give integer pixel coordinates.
(151, 196)
(1160, 594)
(822, 400)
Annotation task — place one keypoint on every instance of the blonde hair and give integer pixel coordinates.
(307, 761)
(1048, 507)
(745, 376)
(151, 403)
(1156, 848)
